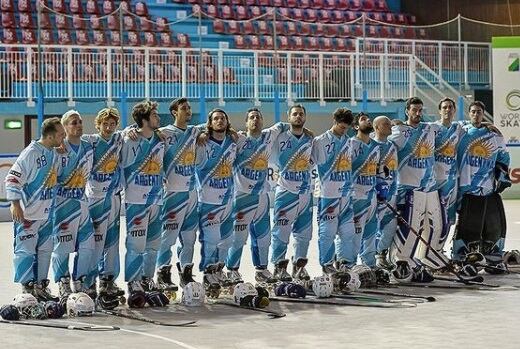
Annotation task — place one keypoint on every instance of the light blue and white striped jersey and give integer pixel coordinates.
(292, 156)
(32, 180)
(214, 172)
(446, 143)
(142, 163)
(74, 168)
(179, 157)
(388, 159)
(253, 154)
(415, 152)
(106, 168)
(333, 159)
(365, 163)
(479, 150)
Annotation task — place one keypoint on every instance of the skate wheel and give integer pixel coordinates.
(122, 300)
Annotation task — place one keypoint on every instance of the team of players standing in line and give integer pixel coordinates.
(65, 193)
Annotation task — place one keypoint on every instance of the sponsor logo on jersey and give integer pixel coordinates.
(15, 173)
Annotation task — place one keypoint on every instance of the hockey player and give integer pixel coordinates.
(387, 178)
(293, 196)
(251, 205)
(30, 189)
(483, 163)
(417, 200)
(142, 168)
(365, 162)
(214, 179)
(331, 152)
(73, 229)
(179, 210)
(103, 191)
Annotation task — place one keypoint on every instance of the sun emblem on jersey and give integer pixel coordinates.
(480, 148)
(447, 149)
(187, 157)
(343, 163)
(299, 163)
(152, 166)
(109, 164)
(423, 150)
(391, 163)
(223, 169)
(369, 168)
(259, 162)
(52, 178)
(77, 179)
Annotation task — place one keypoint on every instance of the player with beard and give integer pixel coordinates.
(365, 162)
(215, 186)
(293, 196)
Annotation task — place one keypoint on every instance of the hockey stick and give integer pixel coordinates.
(396, 294)
(468, 281)
(143, 319)
(64, 327)
(343, 302)
(270, 313)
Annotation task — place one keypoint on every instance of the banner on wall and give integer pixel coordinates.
(6, 161)
(506, 101)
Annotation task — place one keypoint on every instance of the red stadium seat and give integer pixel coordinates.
(162, 24)
(9, 36)
(150, 39)
(337, 16)
(134, 39)
(26, 20)
(28, 36)
(368, 5)
(329, 4)
(305, 29)
(248, 28)
(312, 15)
(268, 42)
(263, 2)
(376, 16)
(351, 16)
(412, 20)
(145, 24)
(305, 3)
(331, 31)
(75, 7)
(241, 13)
(112, 22)
(255, 11)
(389, 17)
(345, 30)
(255, 42)
(372, 31)
(183, 40)
(47, 36)
(291, 28)
(46, 20)
(317, 4)
(78, 22)
(298, 14)
(357, 30)
(284, 12)
(129, 23)
(398, 32)
(82, 37)
(64, 37)
(240, 42)
(356, 5)
(25, 6)
(61, 22)
(59, 6)
(278, 3)
(115, 38)
(233, 27)
(165, 39)
(291, 3)
(237, 2)
(324, 16)
(422, 33)
(212, 11)
(108, 6)
(341, 44)
(298, 43)
(7, 5)
(319, 29)
(218, 26)
(251, 3)
(125, 5)
(284, 43)
(95, 22)
(327, 44)
(343, 5)
(313, 44)
(264, 27)
(222, 2)
(8, 20)
(385, 32)
(141, 9)
(227, 12)
(401, 18)
(92, 7)
(99, 37)
(280, 27)
(380, 5)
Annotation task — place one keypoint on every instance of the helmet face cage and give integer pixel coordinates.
(193, 294)
(243, 290)
(322, 286)
(24, 302)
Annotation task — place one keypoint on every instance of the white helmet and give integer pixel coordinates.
(23, 301)
(322, 286)
(402, 273)
(193, 294)
(242, 290)
(351, 281)
(80, 304)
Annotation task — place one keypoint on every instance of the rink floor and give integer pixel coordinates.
(458, 319)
